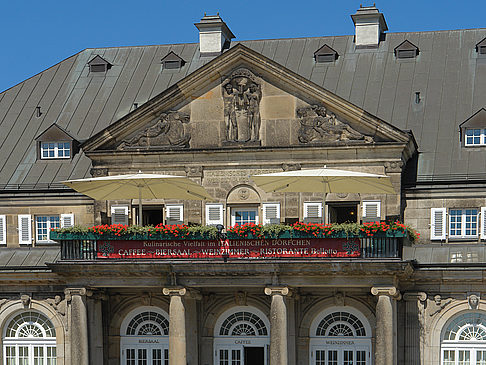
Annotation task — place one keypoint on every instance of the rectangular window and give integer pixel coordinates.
(463, 357)
(10, 355)
(475, 137)
(449, 357)
(51, 355)
(55, 150)
(44, 224)
(223, 357)
(332, 357)
(463, 223)
(361, 357)
(320, 357)
(235, 357)
(240, 216)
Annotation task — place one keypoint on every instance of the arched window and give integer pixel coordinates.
(144, 337)
(464, 340)
(29, 339)
(340, 336)
(241, 336)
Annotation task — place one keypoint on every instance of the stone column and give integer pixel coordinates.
(177, 326)
(78, 318)
(278, 325)
(386, 337)
(414, 303)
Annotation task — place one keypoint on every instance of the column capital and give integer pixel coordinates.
(414, 296)
(178, 290)
(390, 291)
(277, 290)
(69, 292)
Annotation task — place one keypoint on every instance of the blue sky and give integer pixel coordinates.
(38, 34)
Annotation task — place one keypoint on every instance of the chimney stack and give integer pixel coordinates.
(214, 35)
(370, 25)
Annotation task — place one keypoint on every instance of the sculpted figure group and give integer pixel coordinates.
(168, 130)
(317, 124)
(242, 96)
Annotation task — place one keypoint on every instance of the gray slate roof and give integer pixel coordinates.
(28, 258)
(448, 74)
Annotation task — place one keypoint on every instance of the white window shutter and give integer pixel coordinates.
(483, 223)
(175, 214)
(25, 229)
(67, 220)
(438, 223)
(3, 229)
(312, 210)
(119, 215)
(371, 211)
(214, 214)
(271, 213)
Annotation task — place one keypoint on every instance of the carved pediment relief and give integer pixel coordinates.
(317, 124)
(255, 102)
(242, 94)
(167, 130)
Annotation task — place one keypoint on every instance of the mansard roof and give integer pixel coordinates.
(448, 76)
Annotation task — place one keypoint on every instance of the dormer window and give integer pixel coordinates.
(481, 47)
(406, 49)
(55, 143)
(473, 130)
(99, 64)
(325, 54)
(172, 61)
(55, 150)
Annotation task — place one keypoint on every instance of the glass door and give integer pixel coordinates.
(340, 357)
(137, 355)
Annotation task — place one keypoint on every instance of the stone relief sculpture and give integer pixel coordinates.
(168, 131)
(317, 124)
(242, 95)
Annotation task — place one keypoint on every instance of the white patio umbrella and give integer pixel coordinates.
(324, 181)
(139, 186)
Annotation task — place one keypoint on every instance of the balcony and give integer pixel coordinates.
(251, 242)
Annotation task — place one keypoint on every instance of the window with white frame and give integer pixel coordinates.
(458, 223)
(30, 339)
(55, 150)
(44, 224)
(242, 215)
(174, 214)
(475, 137)
(464, 340)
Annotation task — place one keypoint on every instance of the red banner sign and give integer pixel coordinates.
(239, 248)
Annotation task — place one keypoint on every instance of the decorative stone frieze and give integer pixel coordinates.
(58, 304)
(194, 171)
(393, 166)
(25, 299)
(473, 301)
(440, 304)
(98, 172)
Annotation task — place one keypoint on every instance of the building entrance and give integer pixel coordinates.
(242, 337)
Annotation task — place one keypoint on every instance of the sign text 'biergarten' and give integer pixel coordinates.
(235, 248)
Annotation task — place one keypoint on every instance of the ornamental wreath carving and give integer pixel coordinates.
(317, 124)
(242, 95)
(166, 131)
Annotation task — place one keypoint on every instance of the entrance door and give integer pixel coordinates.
(254, 356)
(341, 356)
(241, 356)
(145, 355)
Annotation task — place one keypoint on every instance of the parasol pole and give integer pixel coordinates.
(139, 205)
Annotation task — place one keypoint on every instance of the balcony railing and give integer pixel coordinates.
(79, 248)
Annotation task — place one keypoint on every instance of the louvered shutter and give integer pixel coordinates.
(67, 220)
(438, 223)
(483, 223)
(214, 214)
(371, 211)
(25, 229)
(175, 214)
(313, 212)
(271, 213)
(3, 230)
(119, 215)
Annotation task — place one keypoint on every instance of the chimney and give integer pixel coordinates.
(214, 35)
(370, 25)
